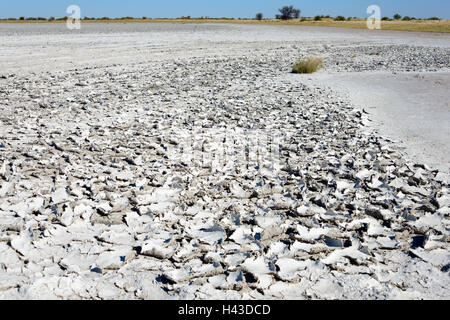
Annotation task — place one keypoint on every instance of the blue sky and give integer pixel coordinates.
(229, 8)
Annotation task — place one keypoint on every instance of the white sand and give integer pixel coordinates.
(412, 109)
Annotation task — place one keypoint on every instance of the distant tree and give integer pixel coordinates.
(259, 16)
(339, 18)
(285, 13)
(288, 12)
(406, 18)
(433, 18)
(397, 16)
(51, 19)
(385, 19)
(317, 18)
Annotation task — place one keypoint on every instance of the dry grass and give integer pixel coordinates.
(309, 65)
(414, 25)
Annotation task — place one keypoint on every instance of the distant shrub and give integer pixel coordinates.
(12, 19)
(259, 16)
(349, 19)
(288, 12)
(309, 65)
(385, 19)
(433, 18)
(317, 18)
(51, 19)
(339, 18)
(22, 18)
(397, 16)
(406, 18)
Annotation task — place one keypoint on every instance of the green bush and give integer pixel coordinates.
(339, 18)
(309, 65)
(317, 18)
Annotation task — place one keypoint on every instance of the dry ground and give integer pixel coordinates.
(415, 25)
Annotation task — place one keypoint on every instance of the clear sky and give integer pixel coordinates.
(228, 8)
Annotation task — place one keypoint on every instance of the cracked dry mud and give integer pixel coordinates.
(100, 199)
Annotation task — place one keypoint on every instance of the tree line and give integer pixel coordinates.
(285, 13)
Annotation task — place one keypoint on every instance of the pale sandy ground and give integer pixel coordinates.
(26, 48)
